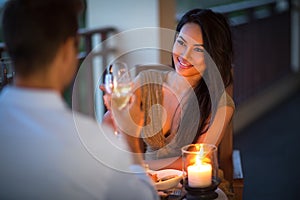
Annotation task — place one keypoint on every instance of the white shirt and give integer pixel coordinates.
(49, 152)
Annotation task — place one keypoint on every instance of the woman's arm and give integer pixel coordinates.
(165, 163)
(129, 121)
(107, 119)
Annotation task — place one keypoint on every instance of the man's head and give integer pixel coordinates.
(34, 31)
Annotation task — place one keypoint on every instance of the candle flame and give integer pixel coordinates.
(201, 158)
(201, 151)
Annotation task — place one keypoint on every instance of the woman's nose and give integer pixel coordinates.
(186, 53)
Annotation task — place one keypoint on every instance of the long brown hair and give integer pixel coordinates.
(217, 39)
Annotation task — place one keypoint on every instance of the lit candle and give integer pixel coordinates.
(199, 175)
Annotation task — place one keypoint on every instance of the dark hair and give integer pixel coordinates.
(217, 40)
(33, 30)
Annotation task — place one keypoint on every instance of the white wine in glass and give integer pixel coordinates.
(121, 95)
(122, 85)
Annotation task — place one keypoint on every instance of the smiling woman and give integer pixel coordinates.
(189, 104)
(202, 55)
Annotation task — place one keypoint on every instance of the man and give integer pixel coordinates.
(46, 150)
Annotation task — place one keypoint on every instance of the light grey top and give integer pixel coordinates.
(183, 131)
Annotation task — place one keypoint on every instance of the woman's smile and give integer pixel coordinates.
(183, 64)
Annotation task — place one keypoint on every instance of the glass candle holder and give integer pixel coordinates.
(200, 169)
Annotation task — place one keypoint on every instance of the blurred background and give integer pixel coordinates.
(266, 74)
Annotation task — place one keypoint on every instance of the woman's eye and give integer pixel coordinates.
(180, 42)
(199, 50)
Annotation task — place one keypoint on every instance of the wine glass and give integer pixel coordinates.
(118, 83)
(122, 85)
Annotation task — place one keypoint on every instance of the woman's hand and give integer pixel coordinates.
(106, 97)
(107, 117)
(129, 119)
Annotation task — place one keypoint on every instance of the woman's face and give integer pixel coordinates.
(188, 52)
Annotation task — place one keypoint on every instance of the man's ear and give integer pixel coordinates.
(68, 49)
(68, 62)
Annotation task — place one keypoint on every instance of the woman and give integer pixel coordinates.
(189, 104)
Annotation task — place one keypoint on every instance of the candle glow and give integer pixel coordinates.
(200, 173)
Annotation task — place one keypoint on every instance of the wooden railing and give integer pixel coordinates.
(83, 98)
(87, 36)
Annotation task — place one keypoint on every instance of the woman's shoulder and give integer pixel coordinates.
(154, 74)
(226, 100)
(153, 67)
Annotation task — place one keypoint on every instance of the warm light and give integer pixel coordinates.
(200, 173)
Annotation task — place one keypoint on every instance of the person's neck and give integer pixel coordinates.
(190, 81)
(38, 82)
(193, 80)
